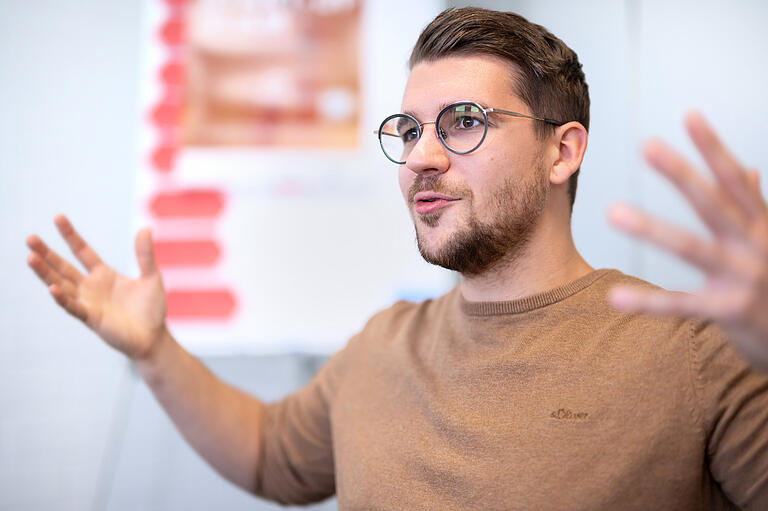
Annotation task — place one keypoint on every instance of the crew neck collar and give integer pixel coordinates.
(532, 302)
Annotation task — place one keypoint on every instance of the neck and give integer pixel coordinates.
(548, 260)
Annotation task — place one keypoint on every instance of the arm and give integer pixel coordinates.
(222, 423)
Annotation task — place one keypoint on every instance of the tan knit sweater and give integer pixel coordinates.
(555, 401)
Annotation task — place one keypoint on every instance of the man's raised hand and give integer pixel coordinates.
(734, 260)
(129, 314)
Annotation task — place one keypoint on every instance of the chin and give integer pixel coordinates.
(433, 237)
(435, 230)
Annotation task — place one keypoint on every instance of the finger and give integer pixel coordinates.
(44, 272)
(52, 259)
(753, 179)
(702, 254)
(145, 254)
(69, 303)
(725, 167)
(49, 276)
(715, 212)
(659, 302)
(77, 245)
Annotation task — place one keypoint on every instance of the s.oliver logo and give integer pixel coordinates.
(565, 414)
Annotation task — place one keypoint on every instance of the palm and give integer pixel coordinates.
(126, 313)
(129, 314)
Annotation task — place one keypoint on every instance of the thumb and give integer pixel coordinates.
(145, 254)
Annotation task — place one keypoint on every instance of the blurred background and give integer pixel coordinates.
(81, 133)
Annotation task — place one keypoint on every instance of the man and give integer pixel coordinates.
(522, 387)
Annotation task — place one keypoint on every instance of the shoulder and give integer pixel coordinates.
(591, 309)
(698, 345)
(384, 337)
(391, 322)
(657, 345)
(401, 323)
(692, 329)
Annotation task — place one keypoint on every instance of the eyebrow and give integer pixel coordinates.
(444, 104)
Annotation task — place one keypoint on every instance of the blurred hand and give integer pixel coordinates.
(734, 260)
(128, 314)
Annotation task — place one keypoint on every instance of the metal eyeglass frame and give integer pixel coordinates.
(483, 109)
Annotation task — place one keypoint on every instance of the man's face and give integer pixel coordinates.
(479, 208)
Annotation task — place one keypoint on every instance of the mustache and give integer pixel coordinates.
(433, 183)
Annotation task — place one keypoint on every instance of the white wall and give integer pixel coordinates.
(646, 63)
(68, 92)
(68, 115)
(707, 55)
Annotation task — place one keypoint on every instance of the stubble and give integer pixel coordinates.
(480, 246)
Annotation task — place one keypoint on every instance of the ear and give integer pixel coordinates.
(571, 139)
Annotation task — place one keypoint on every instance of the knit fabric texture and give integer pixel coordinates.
(554, 401)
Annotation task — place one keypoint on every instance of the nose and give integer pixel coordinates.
(429, 154)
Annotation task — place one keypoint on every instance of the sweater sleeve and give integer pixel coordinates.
(734, 401)
(296, 455)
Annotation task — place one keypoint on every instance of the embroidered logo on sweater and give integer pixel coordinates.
(564, 414)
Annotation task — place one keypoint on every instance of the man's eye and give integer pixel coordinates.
(467, 122)
(410, 135)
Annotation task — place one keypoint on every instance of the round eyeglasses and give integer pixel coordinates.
(461, 128)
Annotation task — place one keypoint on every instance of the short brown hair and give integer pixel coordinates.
(550, 82)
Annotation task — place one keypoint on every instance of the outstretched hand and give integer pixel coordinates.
(734, 260)
(129, 314)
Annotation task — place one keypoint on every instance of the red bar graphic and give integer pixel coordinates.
(176, 3)
(189, 203)
(163, 158)
(172, 73)
(172, 32)
(204, 304)
(166, 113)
(186, 253)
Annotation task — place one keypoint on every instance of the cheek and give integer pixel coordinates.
(483, 196)
(405, 178)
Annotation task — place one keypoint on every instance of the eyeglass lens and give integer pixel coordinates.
(461, 128)
(398, 134)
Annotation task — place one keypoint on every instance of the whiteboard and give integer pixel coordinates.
(276, 245)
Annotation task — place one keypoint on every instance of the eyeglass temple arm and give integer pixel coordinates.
(376, 132)
(515, 114)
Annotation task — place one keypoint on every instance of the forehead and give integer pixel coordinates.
(485, 79)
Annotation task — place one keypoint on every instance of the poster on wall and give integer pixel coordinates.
(278, 224)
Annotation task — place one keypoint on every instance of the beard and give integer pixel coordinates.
(479, 246)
